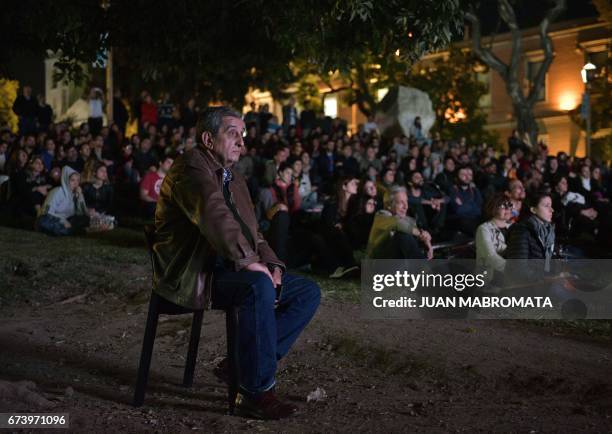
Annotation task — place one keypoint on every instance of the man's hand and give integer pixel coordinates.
(425, 237)
(258, 266)
(589, 213)
(277, 276)
(429, 254)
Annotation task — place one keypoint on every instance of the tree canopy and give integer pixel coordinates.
(219, 48)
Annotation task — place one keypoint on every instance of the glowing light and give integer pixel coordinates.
(568, 101)
(397, 52)
(454, 116)
(410, 34)
(380, 93)
(584, 72)
(331, 106)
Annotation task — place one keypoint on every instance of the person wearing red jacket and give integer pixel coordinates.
(148, 111)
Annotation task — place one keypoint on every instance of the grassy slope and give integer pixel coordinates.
(36, 268)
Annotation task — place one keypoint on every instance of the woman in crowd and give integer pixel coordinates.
(33, 186)
(64, 211)
(307, 192)
(491, 235)
(574, 216)
(532, 238)
(360, 221)
(98, 195)
(334, 246)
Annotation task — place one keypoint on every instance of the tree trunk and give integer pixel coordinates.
(526, 122)
(523, 105)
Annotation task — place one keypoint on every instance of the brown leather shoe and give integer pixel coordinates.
(264, 406)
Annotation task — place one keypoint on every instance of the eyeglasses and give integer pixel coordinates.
(506, 205)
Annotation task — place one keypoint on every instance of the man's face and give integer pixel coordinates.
(449, 165)
(347, 151)
(145, 145)
(189, 144)
(399, 207)
(85, 151)
(585, 172)
(227, 144)
(286, 175)
(166, 165)
(72, 153)
(417, 179)
(465, 176)
(27, 91)
(297, 167)
(390, 176)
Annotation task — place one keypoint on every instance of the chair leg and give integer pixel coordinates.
(147, 350)
(192, 353)
(231, 321)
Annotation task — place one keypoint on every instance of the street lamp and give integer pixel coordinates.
(587, 73)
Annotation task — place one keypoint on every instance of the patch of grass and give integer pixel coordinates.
(37, 267)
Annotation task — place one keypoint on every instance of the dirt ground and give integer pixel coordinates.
(77, 345)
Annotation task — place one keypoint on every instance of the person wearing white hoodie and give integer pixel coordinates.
(64, 211)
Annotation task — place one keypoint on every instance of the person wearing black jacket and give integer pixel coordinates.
(574, 215)
(446, 179)
(533, 237)
(26, 108)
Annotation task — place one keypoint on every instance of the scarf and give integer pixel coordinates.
(546, 235)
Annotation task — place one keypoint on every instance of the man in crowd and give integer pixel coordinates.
(394, 234)
(26, 108)
(205, 223)
(465, 203)
(150, 186)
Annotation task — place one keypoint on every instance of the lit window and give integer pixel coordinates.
(599, 59)
(331, 106)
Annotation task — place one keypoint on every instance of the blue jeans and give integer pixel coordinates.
(265, 334)
(52, 225)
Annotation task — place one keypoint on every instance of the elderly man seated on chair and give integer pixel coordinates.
(209, 254)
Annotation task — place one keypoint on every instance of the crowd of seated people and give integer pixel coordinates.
(324, 198)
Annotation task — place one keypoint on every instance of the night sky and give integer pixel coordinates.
(530, 12)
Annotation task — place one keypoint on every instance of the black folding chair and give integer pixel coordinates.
(158, 306)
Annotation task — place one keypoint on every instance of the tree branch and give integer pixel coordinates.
(547, 46)
(362, 93)
(485, 54)
(506, 12)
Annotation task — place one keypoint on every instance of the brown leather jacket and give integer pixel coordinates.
(193, 225)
